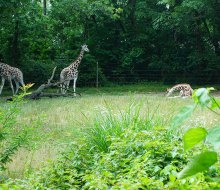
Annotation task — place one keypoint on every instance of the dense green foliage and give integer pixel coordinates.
(135, 160)
(162, 40)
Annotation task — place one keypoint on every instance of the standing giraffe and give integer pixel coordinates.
(71, 73)
(10, 73)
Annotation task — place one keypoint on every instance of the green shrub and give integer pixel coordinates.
(11, 136)
(135, 160)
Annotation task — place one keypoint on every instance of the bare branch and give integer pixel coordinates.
(51, 78)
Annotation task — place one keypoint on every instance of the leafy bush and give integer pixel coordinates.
(135, 160)
(11, 136)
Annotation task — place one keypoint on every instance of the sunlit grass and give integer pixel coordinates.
(60, 121)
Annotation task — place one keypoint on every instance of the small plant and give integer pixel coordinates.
(25, 89)
(12, 136)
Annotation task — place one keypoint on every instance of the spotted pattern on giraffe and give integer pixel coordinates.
(10, 73)
(184, 89)
(71, 72)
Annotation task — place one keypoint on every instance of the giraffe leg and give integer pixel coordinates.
(17, 86)
(65, 86)
(181, 93)
(2, 85)
(74, 84)
(12, 88)
(62, 88)
(187, 95)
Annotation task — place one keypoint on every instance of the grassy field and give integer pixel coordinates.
(60, 121)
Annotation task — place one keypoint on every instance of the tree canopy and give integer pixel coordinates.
(133, 40)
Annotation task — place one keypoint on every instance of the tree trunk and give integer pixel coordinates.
(15, 50)
(44, 7)
(132, 14)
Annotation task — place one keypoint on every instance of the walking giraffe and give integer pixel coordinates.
(71, 72)
(10, 73)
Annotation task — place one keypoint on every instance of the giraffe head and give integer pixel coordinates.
(168, 89)
(85, 48)
(168, 92)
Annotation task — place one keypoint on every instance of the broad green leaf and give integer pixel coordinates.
(193, 136)
(183, 115)
(201, 96)
(213, 137)
(199, 164)
(215, 103)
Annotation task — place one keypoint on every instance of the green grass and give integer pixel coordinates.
(60, 121)
(151, 87)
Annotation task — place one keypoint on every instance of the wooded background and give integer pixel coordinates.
(170, 41)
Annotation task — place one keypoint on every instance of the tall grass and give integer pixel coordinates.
(111, 124)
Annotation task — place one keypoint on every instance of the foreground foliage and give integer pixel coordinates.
(12, 137)
(139, 155)
(195, 136)
(135, 160)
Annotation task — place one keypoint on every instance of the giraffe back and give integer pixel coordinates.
(184, 89)
(7, 72)
(4, 69)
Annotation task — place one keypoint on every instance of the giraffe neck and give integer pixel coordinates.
(76, 63)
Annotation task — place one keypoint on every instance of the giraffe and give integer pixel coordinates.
(184, 89)
(71, 72)
(11, 73)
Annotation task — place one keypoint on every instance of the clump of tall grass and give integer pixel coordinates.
(109, 124)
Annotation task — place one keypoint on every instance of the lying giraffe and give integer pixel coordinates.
(11, 73)
(71, 72)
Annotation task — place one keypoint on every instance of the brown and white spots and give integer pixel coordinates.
(11, 73)
(184, 89)
(71, 72)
